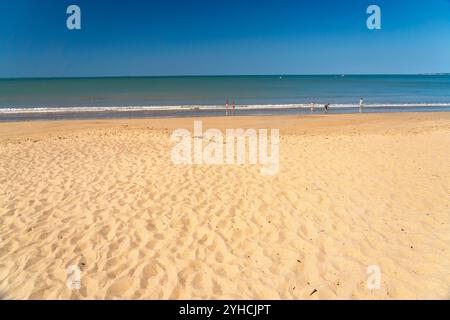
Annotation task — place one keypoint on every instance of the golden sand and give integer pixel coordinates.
(352, 191)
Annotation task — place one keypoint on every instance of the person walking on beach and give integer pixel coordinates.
(361, 104)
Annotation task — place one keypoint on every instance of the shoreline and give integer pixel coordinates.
(127, 113)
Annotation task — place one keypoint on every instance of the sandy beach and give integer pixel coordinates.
(352, 191)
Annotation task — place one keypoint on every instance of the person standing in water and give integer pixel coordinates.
(312, 106)
(361, 104)
(226, 108)
(326, 107)
(234, 108)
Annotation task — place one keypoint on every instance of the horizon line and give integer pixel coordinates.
(226, 75)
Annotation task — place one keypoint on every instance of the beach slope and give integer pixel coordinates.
(352, 191)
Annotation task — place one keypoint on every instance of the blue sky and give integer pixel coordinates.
(216, 37)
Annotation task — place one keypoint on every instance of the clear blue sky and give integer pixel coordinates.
(203, 37)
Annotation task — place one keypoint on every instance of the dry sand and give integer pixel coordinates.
(352, 191)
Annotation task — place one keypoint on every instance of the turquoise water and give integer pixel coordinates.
(284, 93)
(248, 90)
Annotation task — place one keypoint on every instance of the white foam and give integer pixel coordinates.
(16, 110)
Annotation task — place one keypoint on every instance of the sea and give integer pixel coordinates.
(187, 96)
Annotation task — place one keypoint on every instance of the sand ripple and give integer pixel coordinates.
(111, 202)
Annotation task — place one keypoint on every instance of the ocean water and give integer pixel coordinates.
(165, 96)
